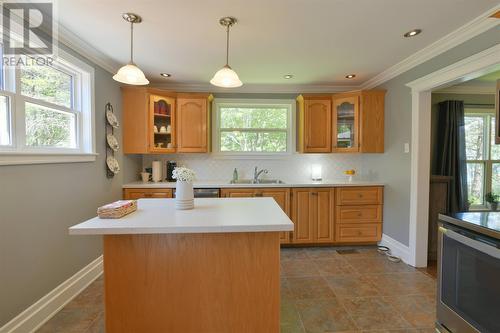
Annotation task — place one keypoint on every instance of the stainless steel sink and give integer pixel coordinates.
(260, 181)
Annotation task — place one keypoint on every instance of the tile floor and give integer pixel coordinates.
(322, 291)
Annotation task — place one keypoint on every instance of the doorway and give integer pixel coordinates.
(480, 64)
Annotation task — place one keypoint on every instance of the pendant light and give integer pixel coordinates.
(226, 77)
(130, 73)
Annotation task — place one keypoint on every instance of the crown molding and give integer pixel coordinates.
(475, 27)
(255, 88)
(85, 49)
(468, 89)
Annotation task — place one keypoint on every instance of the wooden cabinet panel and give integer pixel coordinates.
(312, 214)
(280, 195)
(324, 215)
(237, 193)
(371, 121)
(345, 125)
(192, 124)
(360, 195)
(354, 233)
(141, 193)
(314, 124)
(359, 214)
(303, 216)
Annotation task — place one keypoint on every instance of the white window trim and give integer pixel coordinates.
(290, 104)
(16, 153)
(488, 162)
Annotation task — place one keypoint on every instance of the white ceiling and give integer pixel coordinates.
(318, 41)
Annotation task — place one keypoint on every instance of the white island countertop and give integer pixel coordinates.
(287, 183)
(159, 216)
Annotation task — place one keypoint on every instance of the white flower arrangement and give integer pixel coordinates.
(183, 174)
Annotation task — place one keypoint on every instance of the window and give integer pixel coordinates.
(483, 156)
(46, 112)
(251, 127)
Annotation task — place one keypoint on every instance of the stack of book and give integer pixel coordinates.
(117, 209)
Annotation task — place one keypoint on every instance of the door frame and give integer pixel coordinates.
(469, 68)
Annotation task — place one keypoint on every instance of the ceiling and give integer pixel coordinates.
(318, 41)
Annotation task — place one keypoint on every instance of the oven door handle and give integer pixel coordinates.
(480, 246)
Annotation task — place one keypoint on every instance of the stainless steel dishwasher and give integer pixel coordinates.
(205, 193)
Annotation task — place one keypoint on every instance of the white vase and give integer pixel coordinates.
(184, 196)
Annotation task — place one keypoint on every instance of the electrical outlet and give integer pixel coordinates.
(407, 147)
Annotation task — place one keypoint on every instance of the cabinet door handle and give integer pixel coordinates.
(314, 193)
(148, 195)
(258, 194)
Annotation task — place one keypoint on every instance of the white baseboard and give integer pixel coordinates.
(397, 248)
(40, 312)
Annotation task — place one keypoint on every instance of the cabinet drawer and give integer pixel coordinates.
(359, 196)
(359, 214)
(141, 193)
(369, 232)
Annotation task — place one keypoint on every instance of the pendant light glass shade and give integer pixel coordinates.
(226, 78)
(130, 74)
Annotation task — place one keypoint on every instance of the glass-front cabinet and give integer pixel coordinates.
(346, 124)
(162, 124)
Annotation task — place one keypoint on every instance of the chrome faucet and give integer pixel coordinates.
(257, 173)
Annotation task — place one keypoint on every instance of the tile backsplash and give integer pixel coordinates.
(292, 167)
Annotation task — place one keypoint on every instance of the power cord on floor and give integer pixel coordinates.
(387, 251)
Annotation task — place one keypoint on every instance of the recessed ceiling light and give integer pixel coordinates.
(165, 74)
(412, 33)
(350, 76)
(288, 76)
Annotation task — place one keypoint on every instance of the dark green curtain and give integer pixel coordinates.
(451, 157)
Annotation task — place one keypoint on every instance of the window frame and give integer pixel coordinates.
(289, 104)
(83, 109)
(487, 114)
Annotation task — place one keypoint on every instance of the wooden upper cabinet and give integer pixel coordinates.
(358, 121)
(314, 124)
(346, 124)
(162, 125)
(143, 109)
(193, 121)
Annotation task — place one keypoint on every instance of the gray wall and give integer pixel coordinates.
(393, 167)
(39, 202)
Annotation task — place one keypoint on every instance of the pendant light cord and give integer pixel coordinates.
(227, 45)
(131, 42)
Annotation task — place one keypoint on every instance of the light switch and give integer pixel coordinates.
(407, 147)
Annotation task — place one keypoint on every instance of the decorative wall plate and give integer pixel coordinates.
(110, 116)
(112, 142)
(113, 165)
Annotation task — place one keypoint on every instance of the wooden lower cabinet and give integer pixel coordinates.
(313, 215)
(358, 214)
(141, 193)
(339, 215)
(281, 195)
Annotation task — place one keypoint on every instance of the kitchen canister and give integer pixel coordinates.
(156, 171)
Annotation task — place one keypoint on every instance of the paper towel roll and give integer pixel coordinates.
(156, 171)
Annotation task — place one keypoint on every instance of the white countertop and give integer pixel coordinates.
(159, 216)
(226, 184)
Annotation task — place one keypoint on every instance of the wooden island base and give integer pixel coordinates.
(200, 282)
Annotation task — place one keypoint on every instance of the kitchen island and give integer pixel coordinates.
(211, 269)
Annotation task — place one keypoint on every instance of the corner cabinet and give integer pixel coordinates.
(314, 124)
(193, 119)
(162, 122)
(358, 122)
